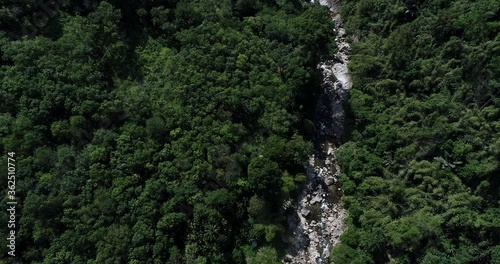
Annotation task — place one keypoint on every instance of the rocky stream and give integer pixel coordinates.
(318, 219)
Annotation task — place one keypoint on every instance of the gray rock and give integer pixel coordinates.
(316, 199)
(305, 212)
(330, 181)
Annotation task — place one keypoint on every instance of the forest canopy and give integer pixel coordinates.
(177, 131)
(421, 163)
(158, 131)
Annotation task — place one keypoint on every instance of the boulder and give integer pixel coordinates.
(330, 181)
(316, 199)
(305, 212)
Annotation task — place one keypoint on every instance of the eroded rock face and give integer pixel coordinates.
(318, 219)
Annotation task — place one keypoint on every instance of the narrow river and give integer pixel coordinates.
(318, 219)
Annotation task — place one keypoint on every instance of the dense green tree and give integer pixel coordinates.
(158, 131)
(420, 167)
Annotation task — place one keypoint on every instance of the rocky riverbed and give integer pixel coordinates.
(318, 219)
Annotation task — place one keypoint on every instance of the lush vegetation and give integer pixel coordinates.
(158, 131)
(422, 160)
(176, 131)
